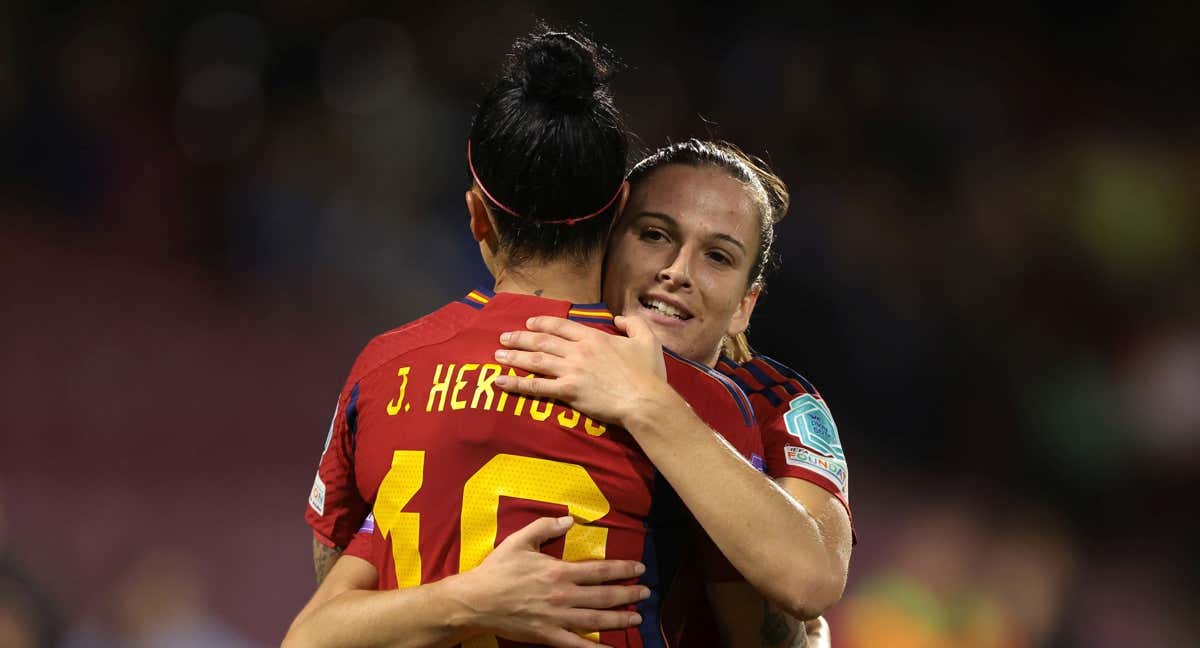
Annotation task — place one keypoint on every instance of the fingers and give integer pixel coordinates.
(590, 572)
(534, 361)
(563, 328)
(631, 325)
(635, 328)
(586, 621)
(531, 341)
(532, 386)
(560, 638)
(602, 597)
(592, 620)
(539, 532)
(817, 630)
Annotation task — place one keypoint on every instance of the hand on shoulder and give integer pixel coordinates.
(607, 377)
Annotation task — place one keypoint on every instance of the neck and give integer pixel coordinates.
(563, 279)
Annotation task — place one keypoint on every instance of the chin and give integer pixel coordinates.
(679, 347)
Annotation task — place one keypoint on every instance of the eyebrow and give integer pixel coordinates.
(663, 217)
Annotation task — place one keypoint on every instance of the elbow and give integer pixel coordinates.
(298, 636)
(810, 595)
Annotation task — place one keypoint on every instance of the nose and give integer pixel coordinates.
(677, 274)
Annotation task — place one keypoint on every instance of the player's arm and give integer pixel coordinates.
(335, 507)
(746, 620)
(767, 627)
(780, 545)
(346, 611)
(323, 558)
(518, 593)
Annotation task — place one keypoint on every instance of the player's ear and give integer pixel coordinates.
(481, 221)
(745, 308)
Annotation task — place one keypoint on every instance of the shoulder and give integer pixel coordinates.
(799, 434)
(787, 405)
(433, 328)
(768, 383)
(702, 387)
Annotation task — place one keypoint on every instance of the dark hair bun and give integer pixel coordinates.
(562, 70)
(551, 148)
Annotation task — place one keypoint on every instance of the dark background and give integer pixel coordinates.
(991, 269)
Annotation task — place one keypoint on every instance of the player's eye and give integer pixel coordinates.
(652, 234)
(717, 256)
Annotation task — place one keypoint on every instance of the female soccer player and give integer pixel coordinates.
(686, 261)
(538, 208)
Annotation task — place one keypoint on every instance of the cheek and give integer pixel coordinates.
(622, 250)
(723, 294)
(635, 263)
(622, 273)
(711, 283)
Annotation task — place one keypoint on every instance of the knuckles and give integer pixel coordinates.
(568, 388)
(593, 619)
(557, 598)
(556, 572)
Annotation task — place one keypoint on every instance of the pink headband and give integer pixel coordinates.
(565, 221)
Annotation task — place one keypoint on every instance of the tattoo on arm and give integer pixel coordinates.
(538, 292)
(780, 630)
(323, 559)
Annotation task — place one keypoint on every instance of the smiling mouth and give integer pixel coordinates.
(664, 308)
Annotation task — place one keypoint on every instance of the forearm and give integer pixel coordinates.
(764, 532)
(427, 616)
(768, 536)
(518, 593)
(746, 620)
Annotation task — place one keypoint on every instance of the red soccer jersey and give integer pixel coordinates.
(451, 466)
(800, 440)
(798, 433)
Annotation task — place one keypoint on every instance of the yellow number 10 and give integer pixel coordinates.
(540, 480)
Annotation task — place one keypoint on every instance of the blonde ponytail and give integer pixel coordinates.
(737, 348)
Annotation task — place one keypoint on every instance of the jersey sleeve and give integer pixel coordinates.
(799, 435)
(362, 545)
(720, 403)
(335, 507)
(730, 413)
(733, 417)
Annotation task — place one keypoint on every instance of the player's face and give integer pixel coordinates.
(680, 257)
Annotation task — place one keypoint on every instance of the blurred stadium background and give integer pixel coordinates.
(991, 268)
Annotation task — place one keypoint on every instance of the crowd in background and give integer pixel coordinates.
(991, 269)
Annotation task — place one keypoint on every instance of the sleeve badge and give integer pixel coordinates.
(809, 420)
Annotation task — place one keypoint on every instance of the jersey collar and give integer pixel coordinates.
(478, 298)
(595, 313)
